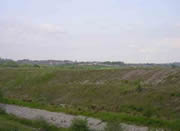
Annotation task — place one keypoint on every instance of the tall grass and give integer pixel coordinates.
(105, 116)
(12, 123)
(123, 94)
(79, 125)
(113, 126)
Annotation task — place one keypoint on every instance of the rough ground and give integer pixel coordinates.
(60, 119)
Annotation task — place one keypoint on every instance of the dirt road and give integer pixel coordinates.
(60, 119)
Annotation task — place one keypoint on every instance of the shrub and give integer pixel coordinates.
(148, 113)
(139, 88)
(79, 125)
(2, 112)
(175, 94)
(113, 126)
(44, 126)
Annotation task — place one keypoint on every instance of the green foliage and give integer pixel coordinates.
(174, 66)
(36, 65)
(44, 126)
(79, 125)
(2, 112)
(148, 113)
(114, 63)
(7, 123)
(12, 123)
(1, 94)
(9, 63)
(113, 126)
(116, 93)
(174, 94)
(106, 116)
(139, 86)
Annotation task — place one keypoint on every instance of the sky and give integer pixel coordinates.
(133, 31)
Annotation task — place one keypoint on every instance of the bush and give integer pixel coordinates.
(113, 126)
(79, 125)
(9, 63)
(45, 126)
(2, 112)
(139, 88)
(148, 113)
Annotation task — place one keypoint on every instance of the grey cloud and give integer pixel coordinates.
(15, 33)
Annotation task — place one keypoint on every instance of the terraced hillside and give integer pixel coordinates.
(152, 93)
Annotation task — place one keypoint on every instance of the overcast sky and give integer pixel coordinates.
(88, 30)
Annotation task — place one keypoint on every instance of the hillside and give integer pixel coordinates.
(151, 93)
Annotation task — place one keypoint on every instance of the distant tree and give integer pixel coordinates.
(113, 63)
(173, 66)
(117, 63)
(107, 62)
(9, 64)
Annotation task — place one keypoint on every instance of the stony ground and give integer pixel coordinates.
(60, 119)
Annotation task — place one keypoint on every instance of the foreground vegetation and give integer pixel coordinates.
(144, 96)
(12, 123)
(105, 116)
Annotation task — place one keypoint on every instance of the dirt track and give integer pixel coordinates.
(60, 119)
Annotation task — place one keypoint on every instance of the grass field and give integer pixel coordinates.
(147, 96)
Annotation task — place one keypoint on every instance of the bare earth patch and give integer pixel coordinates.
(60, 119)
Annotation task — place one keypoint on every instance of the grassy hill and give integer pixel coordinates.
(145, 93)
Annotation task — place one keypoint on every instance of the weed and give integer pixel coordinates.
(113, 126)
(1, 94)
(76, 87)
(139, 87)
(79, 125)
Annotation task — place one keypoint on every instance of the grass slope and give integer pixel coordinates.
(139, 93)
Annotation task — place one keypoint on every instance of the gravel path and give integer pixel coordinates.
(60, 119)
